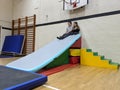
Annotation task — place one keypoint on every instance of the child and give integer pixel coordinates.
(69, 28)
(75, 30)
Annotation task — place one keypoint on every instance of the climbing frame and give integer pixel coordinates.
(25, 26)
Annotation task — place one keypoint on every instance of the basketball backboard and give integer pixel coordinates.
(74, 4)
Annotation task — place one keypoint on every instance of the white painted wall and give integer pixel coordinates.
(2, 37)
(100, 34)
(51, 10)
(46, 34)
(6, 12)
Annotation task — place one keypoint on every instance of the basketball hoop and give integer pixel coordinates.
(74, 4)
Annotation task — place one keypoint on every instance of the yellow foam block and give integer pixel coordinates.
(75, 52)
(87, 58)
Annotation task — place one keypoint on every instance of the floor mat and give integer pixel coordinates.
(57, 69)
(4, 56)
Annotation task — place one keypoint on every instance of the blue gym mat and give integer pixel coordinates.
(5, 56)
(13, 79)
(42, 57)
(13, 44)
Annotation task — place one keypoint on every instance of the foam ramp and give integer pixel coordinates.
(42, 57)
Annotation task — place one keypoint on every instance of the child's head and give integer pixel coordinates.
(75, 24)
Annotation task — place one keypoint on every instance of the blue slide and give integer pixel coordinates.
(42, 57)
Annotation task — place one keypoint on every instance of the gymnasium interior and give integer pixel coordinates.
(33, 58)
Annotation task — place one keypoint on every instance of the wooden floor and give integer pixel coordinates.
(4, 61)
(81, 78)
(84, 78)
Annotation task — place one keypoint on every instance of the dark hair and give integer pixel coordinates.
(77, 25)
(70, 22)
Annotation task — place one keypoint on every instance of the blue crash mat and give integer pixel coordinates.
(13, 44)
(13, 79)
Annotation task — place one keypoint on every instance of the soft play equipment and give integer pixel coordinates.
(13, 44)
(67, 57)
(75, 52)
(45, 55)
(60, 60)
(56, 69)
(77, 44)
(75, 56)
(93, 59)
(74, 59)
(13, 79)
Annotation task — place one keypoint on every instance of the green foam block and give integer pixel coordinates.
(61, 60)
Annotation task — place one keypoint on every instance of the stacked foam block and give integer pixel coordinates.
(72, 56)
(75, 52)
(61, 60)
(93, 59)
